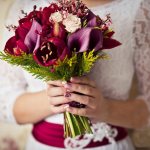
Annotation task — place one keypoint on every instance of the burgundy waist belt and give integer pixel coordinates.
(53, 135)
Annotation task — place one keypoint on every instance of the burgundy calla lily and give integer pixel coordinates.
(92, 22)
(91, 19)
(86, 39)
(31, 38)
(50, 51)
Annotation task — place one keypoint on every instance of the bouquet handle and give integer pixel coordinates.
(75, 125)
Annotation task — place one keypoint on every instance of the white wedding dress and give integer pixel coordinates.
(131, 21)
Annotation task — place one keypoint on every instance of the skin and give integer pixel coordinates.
(93, 3)
(34, 107)
(99, 109)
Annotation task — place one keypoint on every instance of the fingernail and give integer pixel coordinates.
(72, 79)
(67, 94)
(67, 85)
(64, 82)
(66, 107)
(67, 90)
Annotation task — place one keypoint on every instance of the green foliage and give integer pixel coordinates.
(87, 60)
(77, 65)
(23, 60)
(27, 62)
(65, 69)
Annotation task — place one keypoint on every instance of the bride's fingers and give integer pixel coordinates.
(58, 100)
(55, 83)
(80, 88)
(55, 91)
(83, 99)
(59, 109)
(83, 80)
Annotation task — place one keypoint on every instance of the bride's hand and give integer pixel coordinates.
(32, 107)
(56, 95)
(96, 109)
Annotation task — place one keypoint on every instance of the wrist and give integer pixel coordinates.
(105, 110)
(45, 102)
(42, 104)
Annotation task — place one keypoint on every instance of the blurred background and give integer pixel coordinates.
(13, 137)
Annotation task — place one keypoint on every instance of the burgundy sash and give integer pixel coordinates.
(52, 135)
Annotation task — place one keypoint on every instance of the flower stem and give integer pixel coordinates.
(70, 124)
(76, 125)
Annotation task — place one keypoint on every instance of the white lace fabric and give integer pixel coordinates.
(12, 84)
(100, 131)
(142, 54)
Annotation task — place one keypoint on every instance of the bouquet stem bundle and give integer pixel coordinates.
(76, 125)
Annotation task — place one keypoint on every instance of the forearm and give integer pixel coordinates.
(130, 114)
(31, 107)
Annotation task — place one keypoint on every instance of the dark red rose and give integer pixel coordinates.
(22, 30)
(53, 30)
(50, 51)
(46, 31)
(16, 45)
(34, 15)
(47, 11)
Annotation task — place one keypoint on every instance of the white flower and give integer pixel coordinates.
(72, 23)
(56, 17)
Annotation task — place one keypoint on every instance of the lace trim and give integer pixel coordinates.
(142, 55)
(100, 131)
(6, 108)
(12, 84)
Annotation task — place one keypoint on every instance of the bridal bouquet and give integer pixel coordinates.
(58, 42)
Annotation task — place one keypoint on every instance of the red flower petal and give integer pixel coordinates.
(109, 43)
(110, 34)
(10, 44)
(59, 31)
(50, 51)
(59, 44)
(47, 11)
(22, 46)
(22, 30)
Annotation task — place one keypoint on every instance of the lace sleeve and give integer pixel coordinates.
(12, 84)
(142, 54)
